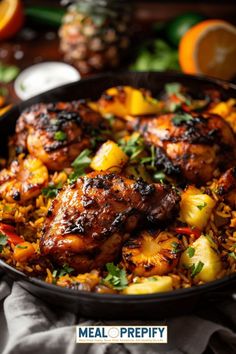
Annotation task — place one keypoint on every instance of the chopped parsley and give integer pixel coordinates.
(8, 73)
(80, 164)
(132, 147)
(116, 277)
(150, 160)
(172, 88)
(176, 247)
(51, 191)
(190, 251)
(196, 268)
(233, 255)
(201, 206)
(63, 271)
(159, 176)
(180, 118)
(21, 247)
(60, 136)
(3, 241)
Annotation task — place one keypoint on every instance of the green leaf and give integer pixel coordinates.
(65, 270)
(180, 118)
(133, 147)
(176, 247)
(80, 164)
(3, 239)
(52, 190)
(172, 88)
(233, 255)
(201, 206)
(60, 136)
(195, 269)
(8, 73)
(116, 277)
(83, 160)
(190, 251)
(159, 176)
(21, 247)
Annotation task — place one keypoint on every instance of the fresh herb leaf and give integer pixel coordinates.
(60, 136)
(180, 118)
(21, 247)
(8, 73)
(233, 255)
(133, 147)
(176, 247)
(150, 160)
(65, 270)
(196, 268)
(172, 88)
(190, 252)
(3, 241)
(116, 277)
(52, 190)
(80, 164)
(159, 176)
(201, 206)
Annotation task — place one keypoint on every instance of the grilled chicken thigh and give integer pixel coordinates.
(56, 133)
(190, 145)
(89, 220)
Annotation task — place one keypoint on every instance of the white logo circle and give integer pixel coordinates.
(113, 332)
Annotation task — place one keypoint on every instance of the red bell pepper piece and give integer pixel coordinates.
(188, 231)
(10, 232)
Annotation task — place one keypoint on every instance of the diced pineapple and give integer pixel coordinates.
(109, 157)
(150, 285)
(224, 108)
(126, 100)
(203, 259)
(196, 207)
(141, 103)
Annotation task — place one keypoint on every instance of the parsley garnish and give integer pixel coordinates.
(180, 118)
(80, 164)
(201, 206)
(176, 247)
(21, 247)
(60, 136)
(116, 277)
(132, 147)
(3, 241)
(159, 176)
(233, 255)
(195, 269)
(8, 73)
(52, 190)
(150, 160)
(65, 270)
(191, 252)
(172, 88)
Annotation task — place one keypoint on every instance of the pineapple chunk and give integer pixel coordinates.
(151, 285)
(195, 207)
(141, 103)
(109, 157)
(203, 256)
(127, 100)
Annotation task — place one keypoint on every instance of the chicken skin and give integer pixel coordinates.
(56, 133)
(89, 221)
(190, 145)
(226, 187)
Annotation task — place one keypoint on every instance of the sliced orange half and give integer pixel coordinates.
(11, 17)
(209, 48)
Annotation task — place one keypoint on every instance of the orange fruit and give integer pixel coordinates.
(11, 17)
(209, 48)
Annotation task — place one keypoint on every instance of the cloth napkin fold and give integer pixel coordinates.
(29, 325)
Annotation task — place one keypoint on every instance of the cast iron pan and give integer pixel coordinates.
(109, 306)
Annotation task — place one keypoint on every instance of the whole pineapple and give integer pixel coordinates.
(95, 34)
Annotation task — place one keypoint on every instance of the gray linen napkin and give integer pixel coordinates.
(28, 325)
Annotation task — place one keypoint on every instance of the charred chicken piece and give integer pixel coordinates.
(89, 220)
(226, 186)
(192, 146)
(56, 132)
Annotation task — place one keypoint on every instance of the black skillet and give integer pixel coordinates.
(109, 306)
